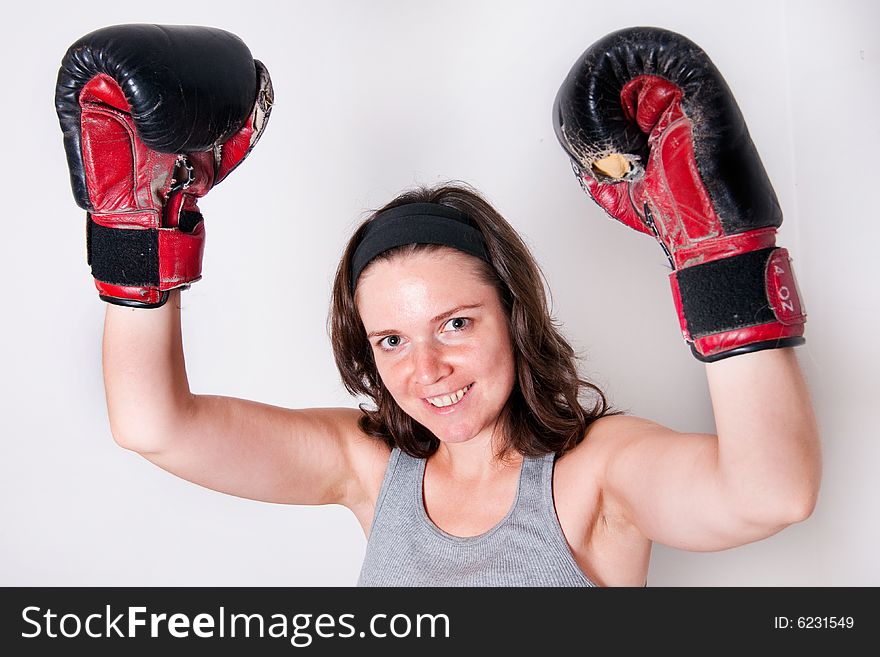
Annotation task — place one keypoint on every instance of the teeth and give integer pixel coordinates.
(448, 400)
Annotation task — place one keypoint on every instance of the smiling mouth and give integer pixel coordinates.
(448, 400)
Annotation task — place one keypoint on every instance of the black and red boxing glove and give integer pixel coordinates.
(656, 139)
(153, 117)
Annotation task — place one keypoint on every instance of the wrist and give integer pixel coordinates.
(137, 266)
(745, 302)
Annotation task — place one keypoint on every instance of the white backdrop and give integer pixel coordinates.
(372, 97)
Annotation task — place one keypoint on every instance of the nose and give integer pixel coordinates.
(429, 364)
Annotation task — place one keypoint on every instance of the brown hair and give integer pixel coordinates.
(543, 413)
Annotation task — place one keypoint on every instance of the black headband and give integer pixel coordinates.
(417, 223)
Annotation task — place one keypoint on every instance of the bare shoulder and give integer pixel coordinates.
(607, 438)
(612, 445)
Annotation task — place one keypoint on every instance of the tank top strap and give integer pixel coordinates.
(399, 473)
(533, 483)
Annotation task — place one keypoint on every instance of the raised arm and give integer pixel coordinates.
(769, 461)
(759, 474)
(658, 141)
(232, 445)
(149, 129)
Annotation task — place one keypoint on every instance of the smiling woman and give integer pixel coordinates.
(453, 303)
(481, 457)
(439, 317)
(451, 376)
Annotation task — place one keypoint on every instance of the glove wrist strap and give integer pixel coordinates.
(134, 265)
(746, 300)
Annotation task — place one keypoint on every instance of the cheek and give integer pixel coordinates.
(507, 367)
(391, 374)
(497, 361)
(502, 353)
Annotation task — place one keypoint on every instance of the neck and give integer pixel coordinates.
(475, 459)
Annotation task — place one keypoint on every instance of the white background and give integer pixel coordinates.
(373, 97)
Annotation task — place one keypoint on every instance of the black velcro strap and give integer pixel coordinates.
(727, 294)
(123, 256)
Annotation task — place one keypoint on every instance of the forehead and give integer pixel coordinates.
(421, 284)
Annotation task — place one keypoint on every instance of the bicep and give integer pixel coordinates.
(263, 452)
(669, 486)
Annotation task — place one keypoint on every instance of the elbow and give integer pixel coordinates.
(800, 501)
(785, 510)
(801, 506)
(785, 494)
(122, 435)
(148, 429)
(140, 437)
(766, 512)
(134, 440)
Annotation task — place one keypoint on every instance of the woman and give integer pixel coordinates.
(438, 327)
(476, 463)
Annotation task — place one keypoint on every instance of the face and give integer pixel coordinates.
(440, 341)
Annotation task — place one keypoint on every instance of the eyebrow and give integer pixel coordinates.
(434, 320)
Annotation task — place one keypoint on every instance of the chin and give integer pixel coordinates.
(453, 438)
(460, 433)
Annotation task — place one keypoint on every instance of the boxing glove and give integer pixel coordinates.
(153, 117)
(656, 138)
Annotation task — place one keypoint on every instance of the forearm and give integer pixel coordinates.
(769, 457)
(144, 373)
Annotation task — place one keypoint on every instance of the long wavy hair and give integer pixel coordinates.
(546, 410)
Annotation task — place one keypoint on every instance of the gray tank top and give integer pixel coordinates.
(526, 548)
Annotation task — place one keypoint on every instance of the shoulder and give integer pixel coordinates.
(609, 436)
(583, 470)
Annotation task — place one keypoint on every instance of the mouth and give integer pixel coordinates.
(450, 399)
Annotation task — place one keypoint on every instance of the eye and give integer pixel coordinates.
(389, 342)
(457, 324)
